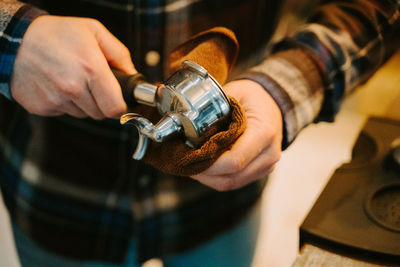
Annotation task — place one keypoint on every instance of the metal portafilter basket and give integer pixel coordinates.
(189, 101)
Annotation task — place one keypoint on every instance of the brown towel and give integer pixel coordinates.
(216, 50)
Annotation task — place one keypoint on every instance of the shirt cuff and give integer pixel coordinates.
(17, 18)
(294, 82)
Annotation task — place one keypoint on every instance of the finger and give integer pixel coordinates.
(88, 105)
(73, 110)
(260, 167)
(116, 53)
(106, 90)
(226, 183)
(244, 151)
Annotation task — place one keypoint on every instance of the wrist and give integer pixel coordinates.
(257, 103)
(11, 38)
(276, 95)
(293, 81)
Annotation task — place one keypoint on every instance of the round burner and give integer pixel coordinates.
(383, 207)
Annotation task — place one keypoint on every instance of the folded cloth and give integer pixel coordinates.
(173, 156)
(216, 50)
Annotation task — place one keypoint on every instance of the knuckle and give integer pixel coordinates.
(97, 116)
(275, 157)
(271, 165)
(69, 87)
(125, 53)
(88, 66)
(269, 134)
(74, 92)
(48, 106)
(50, 103)
(94, 23)
(227, 184)
(80, 115)
(237, 163)
(40, 110)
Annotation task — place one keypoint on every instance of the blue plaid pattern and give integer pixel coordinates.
(343, 43)
(10, 38)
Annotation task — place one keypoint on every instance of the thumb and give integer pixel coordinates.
(116, 53)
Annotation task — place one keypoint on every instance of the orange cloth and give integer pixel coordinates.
(216, 50)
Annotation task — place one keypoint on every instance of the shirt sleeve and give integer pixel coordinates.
(15, 17)
(340, 47)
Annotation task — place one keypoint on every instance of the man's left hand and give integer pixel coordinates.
(257, 150)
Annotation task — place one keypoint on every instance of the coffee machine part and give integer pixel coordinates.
(190, 101)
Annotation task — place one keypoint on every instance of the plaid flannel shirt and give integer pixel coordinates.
(70, 184)
(342, 44)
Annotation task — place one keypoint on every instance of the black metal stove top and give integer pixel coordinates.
(358, 212)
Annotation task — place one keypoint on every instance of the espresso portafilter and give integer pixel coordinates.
(189, 101)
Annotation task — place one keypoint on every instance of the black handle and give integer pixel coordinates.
(128, 83)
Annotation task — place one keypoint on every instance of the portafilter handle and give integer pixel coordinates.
(135, 89)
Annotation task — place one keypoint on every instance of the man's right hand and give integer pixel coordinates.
(62, 67)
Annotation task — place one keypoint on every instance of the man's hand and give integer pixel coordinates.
(255, 153)
(62, 67)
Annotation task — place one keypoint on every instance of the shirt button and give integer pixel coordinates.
(152, 58)
(144, 181)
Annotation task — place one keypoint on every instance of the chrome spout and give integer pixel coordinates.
(166, 127)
